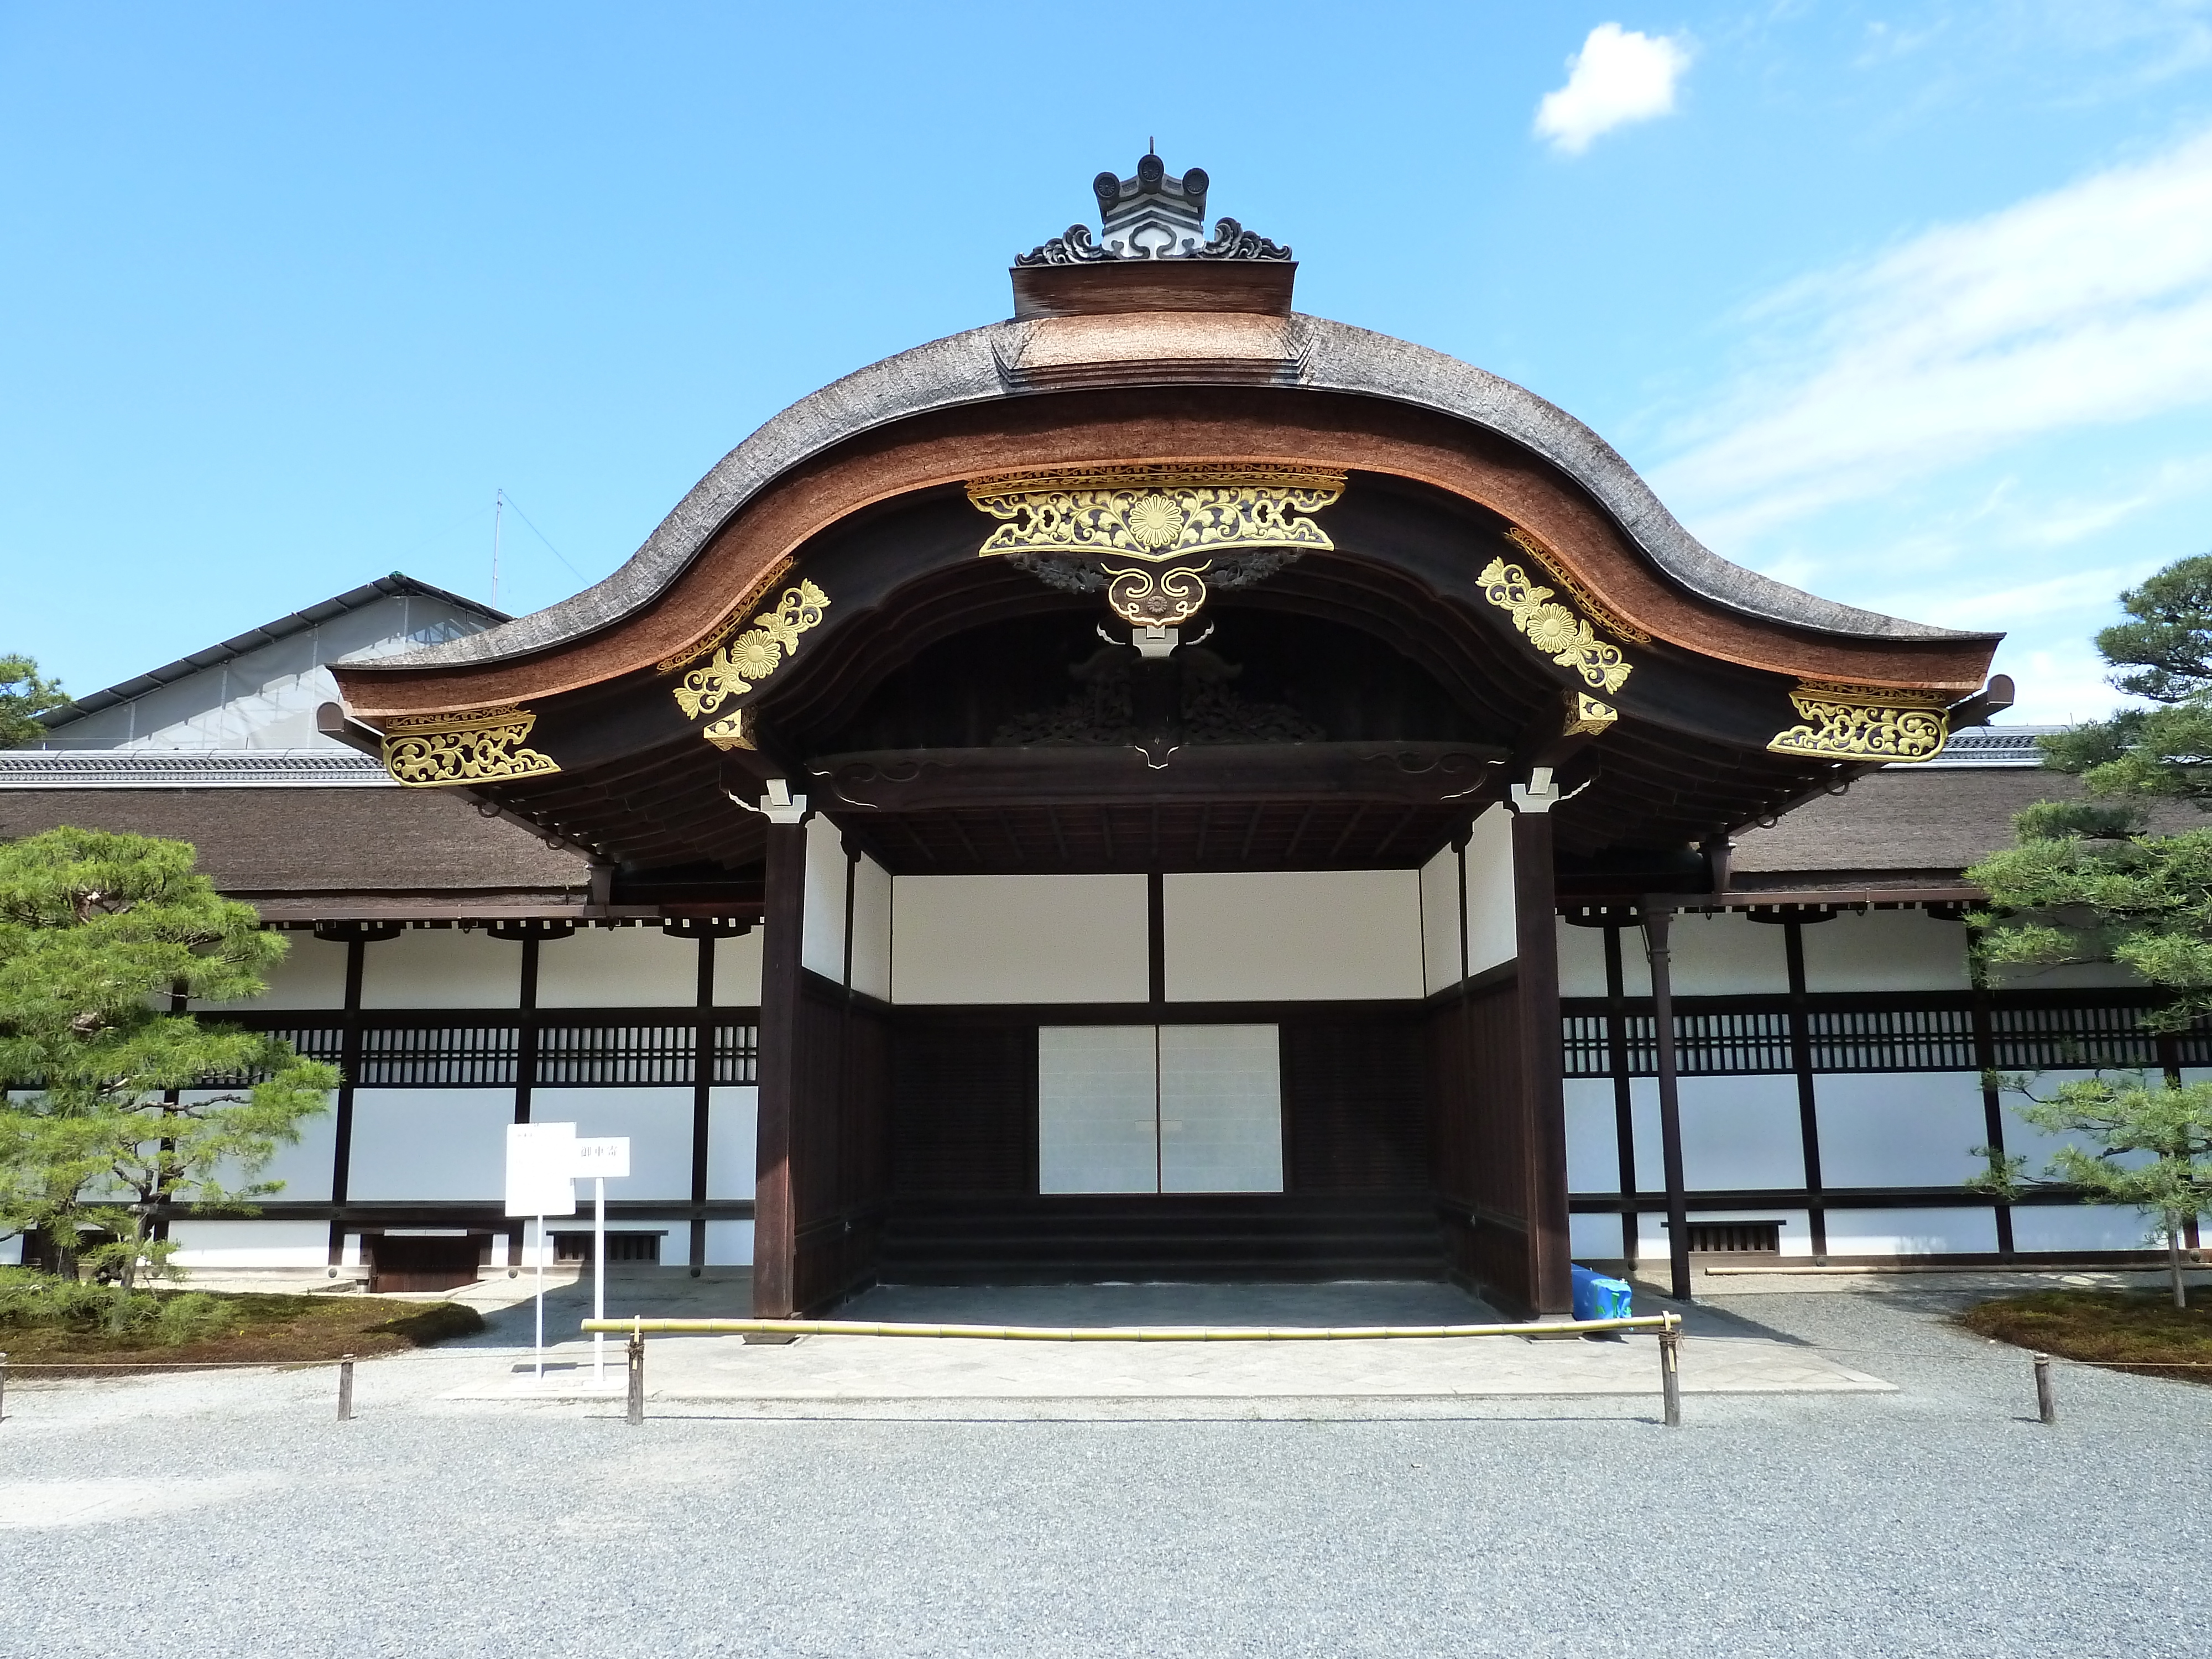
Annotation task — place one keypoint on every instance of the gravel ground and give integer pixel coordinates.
(230, 1515)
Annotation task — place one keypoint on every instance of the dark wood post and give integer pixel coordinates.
(1656, 920)
(1801, 1061)
(1536, 983)
(774, 1240)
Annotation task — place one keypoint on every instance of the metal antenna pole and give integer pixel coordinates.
(498, 511)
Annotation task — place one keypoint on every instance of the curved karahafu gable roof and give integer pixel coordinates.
(1018, 358)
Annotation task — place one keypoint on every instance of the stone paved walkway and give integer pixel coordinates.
(892, 1376)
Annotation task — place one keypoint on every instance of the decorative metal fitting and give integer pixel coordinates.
(1864, 723)
(476, 746)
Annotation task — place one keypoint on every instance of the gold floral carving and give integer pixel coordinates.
(738, 666)
(1599, 611)
(1587, 716)
(1157, 512)
(760, 586)
(1864, 723)
(477, 745)
(1156, 598)
(1553, 629)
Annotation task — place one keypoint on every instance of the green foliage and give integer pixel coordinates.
(2072, 896)
(2167, 649)
(24, 695)
(99, 934)
(30, 1301)
(2152, 1149)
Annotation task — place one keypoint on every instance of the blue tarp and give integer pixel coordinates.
(1597, 1296)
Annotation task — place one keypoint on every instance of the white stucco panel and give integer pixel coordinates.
(1726, 954)
(1019, 939)
(618, 967)
(1440, 920)
(442, 967)
(737, 971)
(312, 975)
(1490, 918)
(430, 1143)
(1293, 935)
(1885, 950)
(871, 929)
(822, 937)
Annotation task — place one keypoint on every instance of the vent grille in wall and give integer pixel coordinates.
(1735, 1238)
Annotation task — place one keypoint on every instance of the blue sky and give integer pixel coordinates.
(1910, 304)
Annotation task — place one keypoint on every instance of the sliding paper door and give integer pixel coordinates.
(1097, 1108)
(1221, 1109)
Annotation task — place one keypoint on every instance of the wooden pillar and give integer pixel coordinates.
(349, 1067)
(774, 1240)
(1801, 1061)
(1536, 945)
(1657, 918)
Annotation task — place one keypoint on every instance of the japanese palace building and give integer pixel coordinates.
(1163, 786)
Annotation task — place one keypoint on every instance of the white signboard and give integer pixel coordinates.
(605, 1156)
(541, 1169)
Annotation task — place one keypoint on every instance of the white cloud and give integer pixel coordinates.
(2089, 306)
(1619, 76)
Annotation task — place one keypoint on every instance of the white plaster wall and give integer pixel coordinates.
(2023, 1139)
(737, 971)
(1795, 1235)
(1593, 1139)
(1898, 1128)
(729, 1244)
(442, 967)
(871, 930)
(2085, 977)
(304, 1167)
(1490, 917)
(1736, 1132)
(251, 1243)
(310, 975)
(430, 1143)
(1293, 935)
(658, 1122)
(732, 1141)
(1934, 1232)
(1725, 954)
(618, 967)
(1885, 950)
(1020, 938)
(1594, 1237)
(822, 937)
(2071, 1227)
(1440, 921)
(11, 1251)
(1582, 958)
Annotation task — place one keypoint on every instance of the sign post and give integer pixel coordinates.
(541, 1163)
(599, 1157)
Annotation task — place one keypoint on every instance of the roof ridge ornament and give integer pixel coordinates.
(1153, 216)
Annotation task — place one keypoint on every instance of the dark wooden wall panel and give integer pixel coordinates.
(1355, 1112)
(840, 1160)
(1479, 1096)
(964, 1107)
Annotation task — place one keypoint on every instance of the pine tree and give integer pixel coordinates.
(126, 1106)
(24, 695)
(2154, 1151)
